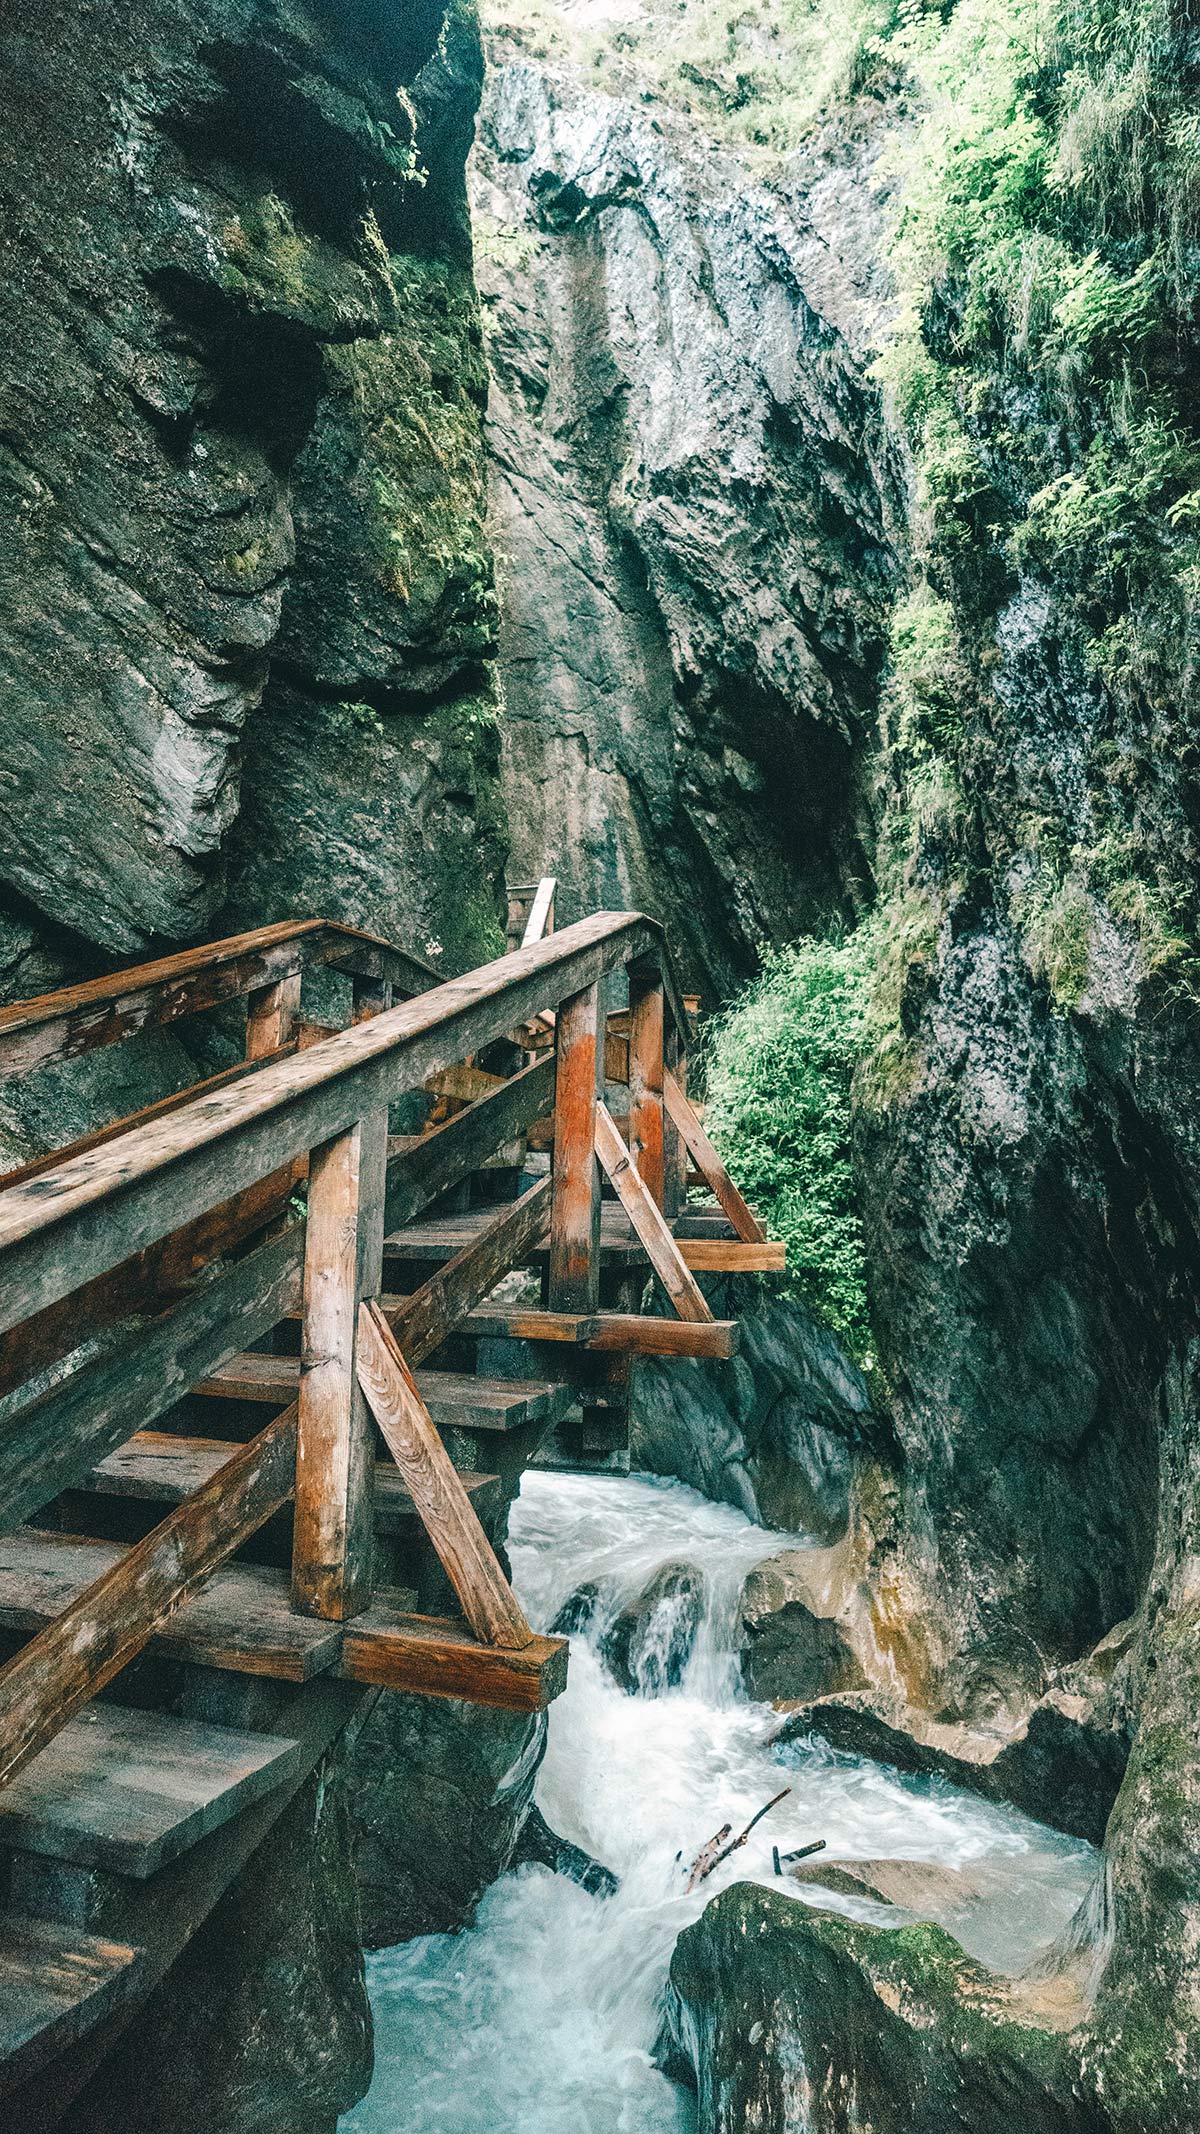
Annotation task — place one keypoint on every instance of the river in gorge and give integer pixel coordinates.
(542, 2018)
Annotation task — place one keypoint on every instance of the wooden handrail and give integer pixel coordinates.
(91, 1211)
(102, 1011)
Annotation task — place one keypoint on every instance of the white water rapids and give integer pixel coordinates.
(542, 2018)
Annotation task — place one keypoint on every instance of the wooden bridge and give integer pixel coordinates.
(266, 1396)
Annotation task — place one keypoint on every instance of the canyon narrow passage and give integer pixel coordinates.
(546, 2012)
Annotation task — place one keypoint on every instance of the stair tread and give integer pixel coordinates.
(55, 1983)
(241, 1619)
(454, 1398)
(131, 1790)
(439, 1237)
(162, 1469)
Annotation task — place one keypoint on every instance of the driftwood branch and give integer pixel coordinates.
(720, 1846)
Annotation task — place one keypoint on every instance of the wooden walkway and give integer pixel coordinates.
(266, 1395)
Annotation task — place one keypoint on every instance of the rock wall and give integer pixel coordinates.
(697, 506)
(246, 599)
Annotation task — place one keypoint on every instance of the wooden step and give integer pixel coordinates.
(440, 1237)
(55, 1984)
(242, 1619)
(455, 1399)
(706, 1242)
(164, 1470)
(129, 1790)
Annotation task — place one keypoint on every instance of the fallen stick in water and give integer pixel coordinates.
(711, 1855)
(784, 1859)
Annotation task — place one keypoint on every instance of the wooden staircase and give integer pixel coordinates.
(266, 1399)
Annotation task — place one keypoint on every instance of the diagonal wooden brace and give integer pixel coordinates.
(648, 1221)
(687, 1124)
(435, 1486)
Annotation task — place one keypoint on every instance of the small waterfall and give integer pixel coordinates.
(543, 2017)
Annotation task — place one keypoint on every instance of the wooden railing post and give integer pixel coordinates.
(646, 1075)
(575, 1211)
(333, 1549)
(271, 1013)
(675, 1155)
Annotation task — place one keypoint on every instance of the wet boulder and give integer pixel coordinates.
(539, 1846)
(801, 2021)
(650, 1643)
(577, 1611)
(790, 1651)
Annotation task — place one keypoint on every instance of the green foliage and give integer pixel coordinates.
(779, 1066)
(354, 721)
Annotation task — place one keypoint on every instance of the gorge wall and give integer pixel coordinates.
(848, 491)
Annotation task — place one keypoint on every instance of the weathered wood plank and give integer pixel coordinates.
(129, 1790)
(629, 1333)
(49, 1445)
(392, 1649)
(453, 1398)
(101, 1134)
(422, 1321)
(575, 1213)
(729, 1255)
(334, 1544)
(271, 1016)
(157, 1467)
(688, 1126)
(463, 1549)
(646, 1036)
(146, 1282)
(241, 1619)
(648, 1221)
(675, 1155)
(56, 1983)
(101, 1011)
(69, 1661)
(541, 912)
(84, 1215)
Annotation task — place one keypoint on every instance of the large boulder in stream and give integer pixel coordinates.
(791, 1650)
(773, 1431)
(441, 1790)
(799, 2022)
(650, 1643)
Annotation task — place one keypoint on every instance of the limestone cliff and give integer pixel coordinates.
(246, 600)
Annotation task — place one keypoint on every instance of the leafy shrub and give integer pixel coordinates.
(779, 1066)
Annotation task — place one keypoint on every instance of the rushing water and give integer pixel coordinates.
(542, 2019)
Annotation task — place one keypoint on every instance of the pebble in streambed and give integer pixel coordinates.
(543, 2017)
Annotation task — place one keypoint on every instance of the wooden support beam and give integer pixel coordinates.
(686, 1123)
(675, 1155)
(541, 912)
(392, 1649)
(646, 1036)
(622, 1333)
(72, 1659)
(575, 1216)
(429, 1475)
(49, 1445)
(271, 1015)
(423, 1320)
(647, 1220)
(334, 1541)
(728, 1255)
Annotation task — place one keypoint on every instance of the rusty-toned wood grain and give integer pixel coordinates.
(661, 1248)
(450, 1520)
(575, 1216)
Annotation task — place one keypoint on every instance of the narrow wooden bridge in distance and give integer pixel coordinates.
(266, 1395)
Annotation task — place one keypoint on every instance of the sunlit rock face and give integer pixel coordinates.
(697, 505)
(241, 472)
